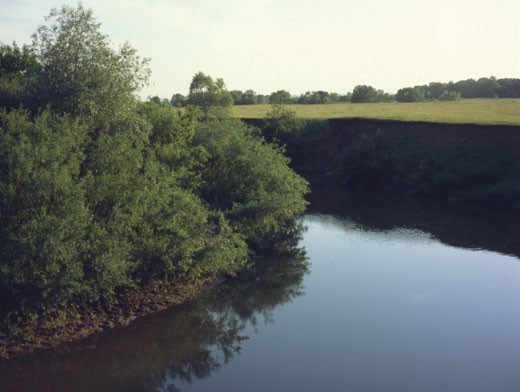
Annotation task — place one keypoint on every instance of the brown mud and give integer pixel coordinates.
(56, 330)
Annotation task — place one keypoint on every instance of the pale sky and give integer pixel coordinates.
(300, 45)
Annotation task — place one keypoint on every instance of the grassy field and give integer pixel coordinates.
(471, 111)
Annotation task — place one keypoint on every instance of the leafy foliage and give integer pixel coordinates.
(279, 123)
(99, 192)
(210, 96)
(15, 63)
(280, 97)
(416, 163)
(43, 214)
(449, 96)
(248, 179)
(78, 72)
(410, 94)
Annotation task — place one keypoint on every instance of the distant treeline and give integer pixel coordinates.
(470, 88)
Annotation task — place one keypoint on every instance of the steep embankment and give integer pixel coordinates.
(460, 161)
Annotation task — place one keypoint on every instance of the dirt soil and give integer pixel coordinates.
(72, 325)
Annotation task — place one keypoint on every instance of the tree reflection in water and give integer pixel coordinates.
(168, 349)
(276, 279)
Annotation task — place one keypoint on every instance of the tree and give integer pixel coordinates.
(261, 99)
(78, 72)
(279, 123)
(435, 90)
(15, 62)
(345, 98)
(42, 228)
(248, 180)
(178, 100)
(281, 97)
(383, 97)
(410, 94)
(468, 88)
(364, 94)
(449, 96)
(155, 99)
(488, 87)
(334, 97)
(509, 88)
(237, 96)
(249, 98)
(211, 96)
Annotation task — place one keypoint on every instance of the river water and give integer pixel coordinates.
(380, 294)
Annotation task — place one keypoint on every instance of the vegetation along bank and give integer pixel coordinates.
(111, 207)
(479, 163)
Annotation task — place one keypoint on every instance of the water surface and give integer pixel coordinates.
(399, 295)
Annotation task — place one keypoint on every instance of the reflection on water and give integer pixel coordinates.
(174, 347)
(388, 306)
(453, 223)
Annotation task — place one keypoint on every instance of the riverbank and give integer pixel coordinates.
(54, 331)
(467, 162)
(446, 161)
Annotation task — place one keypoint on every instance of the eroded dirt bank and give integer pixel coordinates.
(480, 163)
(72, 325)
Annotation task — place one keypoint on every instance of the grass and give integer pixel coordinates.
(469, 111)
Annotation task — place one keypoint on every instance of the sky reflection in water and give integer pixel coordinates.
(389, 304)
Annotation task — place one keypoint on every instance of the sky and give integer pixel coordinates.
(300, 45)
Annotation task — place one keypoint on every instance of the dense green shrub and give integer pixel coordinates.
(279, 123)
(83, 215)
(383, 159)
(248, 179)
(99, 192)
(43, 214)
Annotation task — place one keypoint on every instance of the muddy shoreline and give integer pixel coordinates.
(73, 325)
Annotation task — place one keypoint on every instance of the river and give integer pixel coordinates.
(379, 294)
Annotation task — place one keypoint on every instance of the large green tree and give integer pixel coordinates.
(280, 97)
(410, 94)
(78, 72)
(364, 94)
(15, 64)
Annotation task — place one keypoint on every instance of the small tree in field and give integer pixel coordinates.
(211, 96)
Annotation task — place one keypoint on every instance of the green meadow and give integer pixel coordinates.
(469, 111)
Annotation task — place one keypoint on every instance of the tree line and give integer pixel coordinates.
(100, 192)
(463, 89)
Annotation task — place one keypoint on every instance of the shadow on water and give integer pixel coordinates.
(166, 350)
(453, 223)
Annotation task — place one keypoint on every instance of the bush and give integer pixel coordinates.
(280, 123)
(96, 196)
(43, 214)
(248, 179)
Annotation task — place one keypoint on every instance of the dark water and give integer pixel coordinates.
(379, 295)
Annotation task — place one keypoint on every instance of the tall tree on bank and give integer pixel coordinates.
(78, 72)
(211, 96)
(15, 63)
